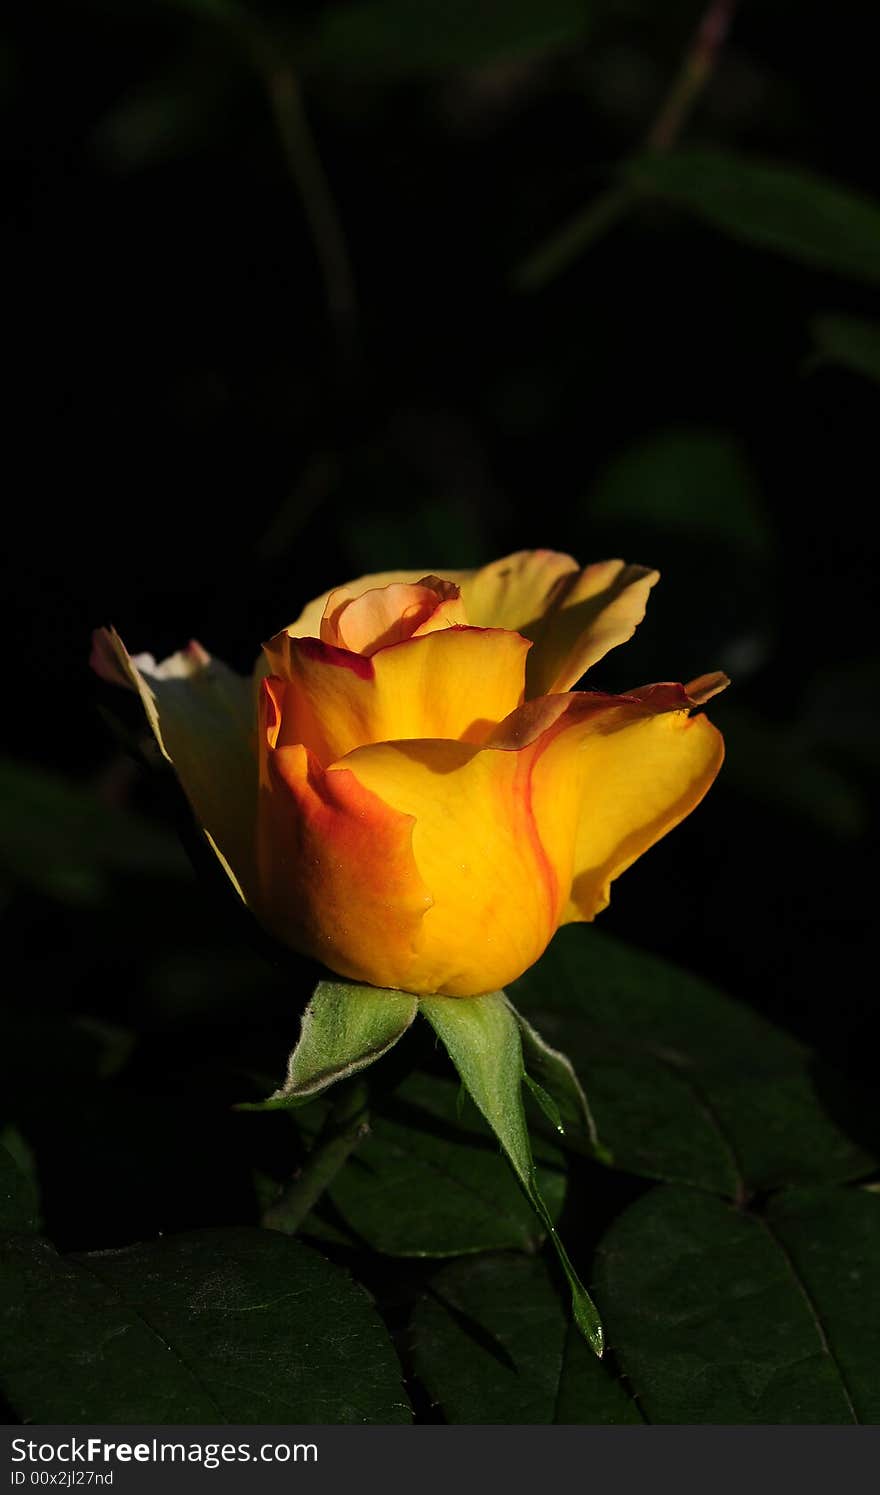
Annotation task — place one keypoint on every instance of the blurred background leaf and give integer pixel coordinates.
(62, 840)
(694, 481)
(393, 38)
(850, 341)
(769, 206)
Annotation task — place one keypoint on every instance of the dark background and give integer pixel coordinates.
(196, 449)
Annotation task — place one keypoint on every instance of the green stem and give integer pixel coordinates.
(346, 1125)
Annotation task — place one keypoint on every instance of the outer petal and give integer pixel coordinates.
(574, 616)
(202, 716)
(516, 591)
(337, 872)
(599, 609)
(621, 770)
(456, 683)
(475, 843)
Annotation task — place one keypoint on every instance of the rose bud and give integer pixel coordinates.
(417, 797)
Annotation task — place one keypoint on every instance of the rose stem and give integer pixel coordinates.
(346, 1125)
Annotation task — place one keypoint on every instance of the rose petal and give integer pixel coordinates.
(337, 873)
(530, 830)
(574, 616)
(201, 714)
(308, 623)
(623, 770)
(456, 683)
(475, 847)
(372, 620)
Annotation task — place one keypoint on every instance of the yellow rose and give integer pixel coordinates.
(425, 800)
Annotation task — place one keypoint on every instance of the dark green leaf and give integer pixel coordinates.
(722, 1317)
(851, 341)
(685, 1084)
(212, 1326)
(494, 1343)
(426, 1183)
(389, 38)
(770, 206)
(832, 1240)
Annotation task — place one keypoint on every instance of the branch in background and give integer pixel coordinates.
(307, 171)
(301, 153)
(696, 70)
(605, 210)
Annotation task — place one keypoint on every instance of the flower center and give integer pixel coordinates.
(389, 615)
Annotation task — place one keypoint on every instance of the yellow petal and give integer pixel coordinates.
(202, 716)
(494, 893)
(338, 879)
(516, 591)
(507, 593)
(574, 616)
(599, 609)
(456, 683)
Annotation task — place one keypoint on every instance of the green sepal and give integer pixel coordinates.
(344, 1028)
(482, 1037)
(551, 1077)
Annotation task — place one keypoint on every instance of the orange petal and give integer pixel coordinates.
(371, 620)
(622, 769)
(308, 623)
(456, 683)
(338, 879)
